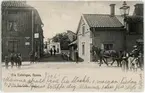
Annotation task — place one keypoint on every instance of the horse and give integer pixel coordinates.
(105, 54)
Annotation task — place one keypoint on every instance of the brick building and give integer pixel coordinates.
(21, 29)
(134, 27)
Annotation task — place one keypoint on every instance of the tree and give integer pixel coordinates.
(63, 39)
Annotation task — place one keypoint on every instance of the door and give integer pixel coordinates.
(13, 46)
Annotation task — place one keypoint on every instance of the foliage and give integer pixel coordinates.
(63, 39)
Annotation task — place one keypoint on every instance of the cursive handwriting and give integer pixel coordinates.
(59, 82)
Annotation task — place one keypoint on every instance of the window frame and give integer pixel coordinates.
(83, 48)
(108, 45)
(13, 27)
(83, 30)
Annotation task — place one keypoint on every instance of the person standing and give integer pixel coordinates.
(125, 61)
(6, 62)
(36, 56)
(32, 57)
(12, 59)
(54, 51)
(19, 60)
(77, 56)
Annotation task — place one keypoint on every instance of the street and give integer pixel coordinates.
(70, 70)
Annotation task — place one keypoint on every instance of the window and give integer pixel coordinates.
(108, 46)
(12, 26)
(13, 46)
(83, 30)
(83, 48)
(12, 12)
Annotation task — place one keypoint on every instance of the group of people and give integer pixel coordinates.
(53, 51)
(14, 58)
(131, 61)
(34, 57)
(126, 60)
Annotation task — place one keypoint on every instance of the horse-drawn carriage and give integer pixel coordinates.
(133, 59)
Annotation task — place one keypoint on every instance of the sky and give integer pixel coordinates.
(60, 16)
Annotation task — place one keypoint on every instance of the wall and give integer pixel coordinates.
(57, 45)
(86, 39)
(114, 37)
(131, 41)
(24, 24)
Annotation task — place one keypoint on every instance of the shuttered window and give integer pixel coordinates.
(83, 30)
(12, 26)
(108, 46)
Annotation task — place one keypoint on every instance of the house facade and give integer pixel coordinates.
(101, 30)
(109, 32)
(21, 29)
(134, 27)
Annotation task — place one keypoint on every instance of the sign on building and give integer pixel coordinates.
(27, 43)
(36, 35)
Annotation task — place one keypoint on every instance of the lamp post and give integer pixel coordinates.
(124, 10)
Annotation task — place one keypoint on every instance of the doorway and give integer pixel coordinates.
(13, 46)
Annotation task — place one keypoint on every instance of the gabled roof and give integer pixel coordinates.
(102, 20)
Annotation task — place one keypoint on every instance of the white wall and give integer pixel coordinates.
(86, 39)
(56, 44)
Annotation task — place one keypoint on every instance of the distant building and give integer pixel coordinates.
(72, 46)
(71, 35)
(21, 29)
(54, 45)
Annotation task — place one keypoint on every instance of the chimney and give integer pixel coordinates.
(138, 11)
(112, 9)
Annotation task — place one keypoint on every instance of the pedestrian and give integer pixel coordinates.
(12, 59)
(19, 60)
(54, 51)
(36, 56)
(6, 61)
(77, 56)
(125, 61)
(31, 57)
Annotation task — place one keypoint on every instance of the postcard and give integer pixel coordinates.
(72, 46)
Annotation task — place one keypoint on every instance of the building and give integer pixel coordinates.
(71, 35)
(72, 50)
(72, 46)
(134, 26)
(101, 30)
(109, 31)
(54, 45)
(21, 29)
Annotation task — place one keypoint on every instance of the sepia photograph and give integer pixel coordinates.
(72, 46)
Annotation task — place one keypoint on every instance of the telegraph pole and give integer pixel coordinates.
(32, 32)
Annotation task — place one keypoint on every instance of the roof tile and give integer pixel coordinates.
(102, 20)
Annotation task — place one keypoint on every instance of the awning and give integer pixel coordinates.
(73, 43)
